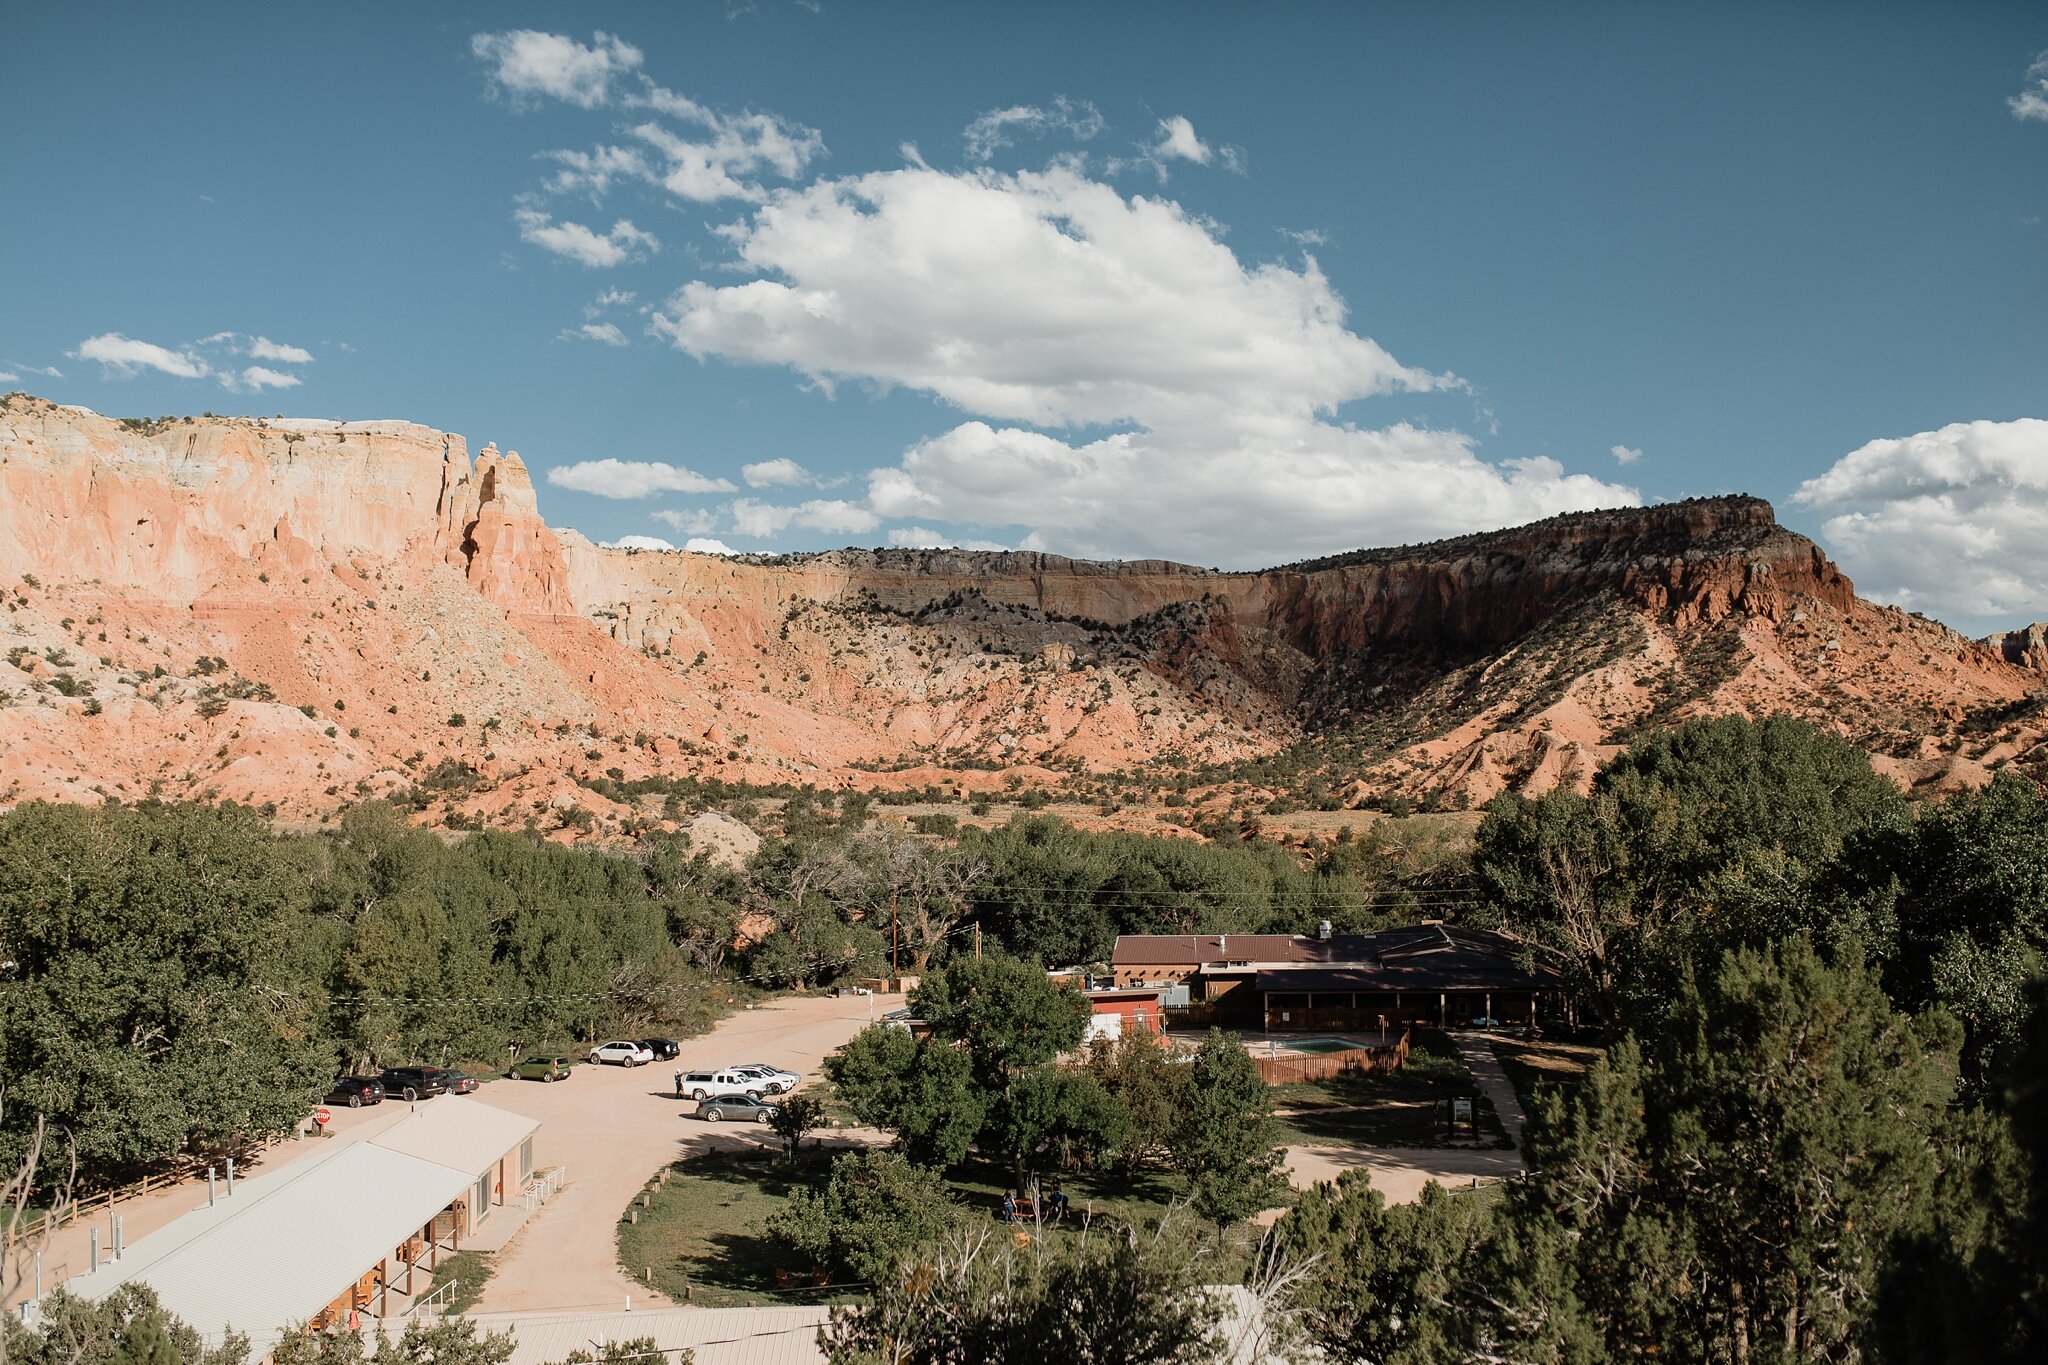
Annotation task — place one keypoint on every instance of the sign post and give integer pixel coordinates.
(322, 1118)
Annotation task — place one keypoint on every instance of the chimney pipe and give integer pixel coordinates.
(209, 1187)
(231, 1177)
(95, 1248)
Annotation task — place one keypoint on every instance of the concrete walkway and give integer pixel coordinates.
(1476, 1051)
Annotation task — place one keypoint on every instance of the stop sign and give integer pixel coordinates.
(321, 1117)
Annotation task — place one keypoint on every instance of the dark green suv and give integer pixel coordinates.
(542, 1069)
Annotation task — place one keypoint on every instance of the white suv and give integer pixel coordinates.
(699, 1085)
(778, 1081)
(625, 1054)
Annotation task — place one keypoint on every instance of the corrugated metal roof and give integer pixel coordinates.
(719, 1336)
(455, 1131)
(288, 1243)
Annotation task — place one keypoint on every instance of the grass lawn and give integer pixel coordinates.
(1401, 1110)
(702, 1236)
(468, 1271)
(1534, 1062)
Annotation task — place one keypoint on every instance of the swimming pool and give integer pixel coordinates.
(1322, 1045)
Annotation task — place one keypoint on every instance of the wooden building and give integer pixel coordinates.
(1435, 974)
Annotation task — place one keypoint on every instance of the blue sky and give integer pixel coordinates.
(1230, 284)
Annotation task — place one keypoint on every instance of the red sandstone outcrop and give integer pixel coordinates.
(2025, 648)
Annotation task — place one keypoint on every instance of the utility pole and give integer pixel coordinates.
(977, 940)
(894, 941)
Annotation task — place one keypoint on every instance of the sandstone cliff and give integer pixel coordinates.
(308, 612)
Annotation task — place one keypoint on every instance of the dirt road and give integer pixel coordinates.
(613, 1128)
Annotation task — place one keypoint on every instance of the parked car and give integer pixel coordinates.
(356, 1091)
(413, 1082)
(777, 1081)
(664, 1049)
(740, 1108)
(625, 1054)
(700, 1085)
(542, 1069)
(458, 1082)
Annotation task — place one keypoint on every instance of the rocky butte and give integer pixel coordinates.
(311, 612)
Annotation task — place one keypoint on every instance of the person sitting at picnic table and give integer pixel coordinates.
(1058, 1200)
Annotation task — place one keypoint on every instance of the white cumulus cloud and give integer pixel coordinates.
(637, 543)
(612, 478)
(829, 516)
(123, 357)
(9, 377)
(1625, 454)
(263, 348)
(604, 332)
(1066, 304)
(993, 131)
(924, 538)
(1947, 522)
(1177, 142)
(255, 378)
(1237, 500)
(527, 65)
(688, 521)
(1062, 303)
(2032, 102)
(700, 545)
(593, 250)
(782, 473)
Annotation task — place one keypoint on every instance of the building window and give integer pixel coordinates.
(483, 1198)
(525, 1160)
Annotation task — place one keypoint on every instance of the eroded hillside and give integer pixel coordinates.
(307, 612)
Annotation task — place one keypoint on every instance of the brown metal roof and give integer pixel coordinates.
(1419, 957)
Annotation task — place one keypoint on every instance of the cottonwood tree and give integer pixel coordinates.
(1013, 1024)
(923, 1090)
(920, 887)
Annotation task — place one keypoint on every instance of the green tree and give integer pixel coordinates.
(1702, 837)
(1729, 1190)
(127, 1327)
(1135, 1072)
(156, 1000)
(1096, 1299)
(1012, 1023)
(875, 1207)
(1382, 1284)
(795, 1116)
(920, 1089)
(1224, 1143)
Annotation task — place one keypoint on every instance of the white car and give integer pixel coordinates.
(625, 1054)
(778, 1081)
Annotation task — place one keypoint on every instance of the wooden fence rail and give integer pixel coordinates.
(101, 1201)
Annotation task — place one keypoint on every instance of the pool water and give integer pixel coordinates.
(1322, 1045)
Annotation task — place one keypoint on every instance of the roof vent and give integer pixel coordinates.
(1323, 930)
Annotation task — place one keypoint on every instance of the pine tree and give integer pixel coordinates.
(1224, 1143)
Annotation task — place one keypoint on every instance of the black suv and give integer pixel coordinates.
(413, 1082)
(664, 1049)
(356, 1091)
